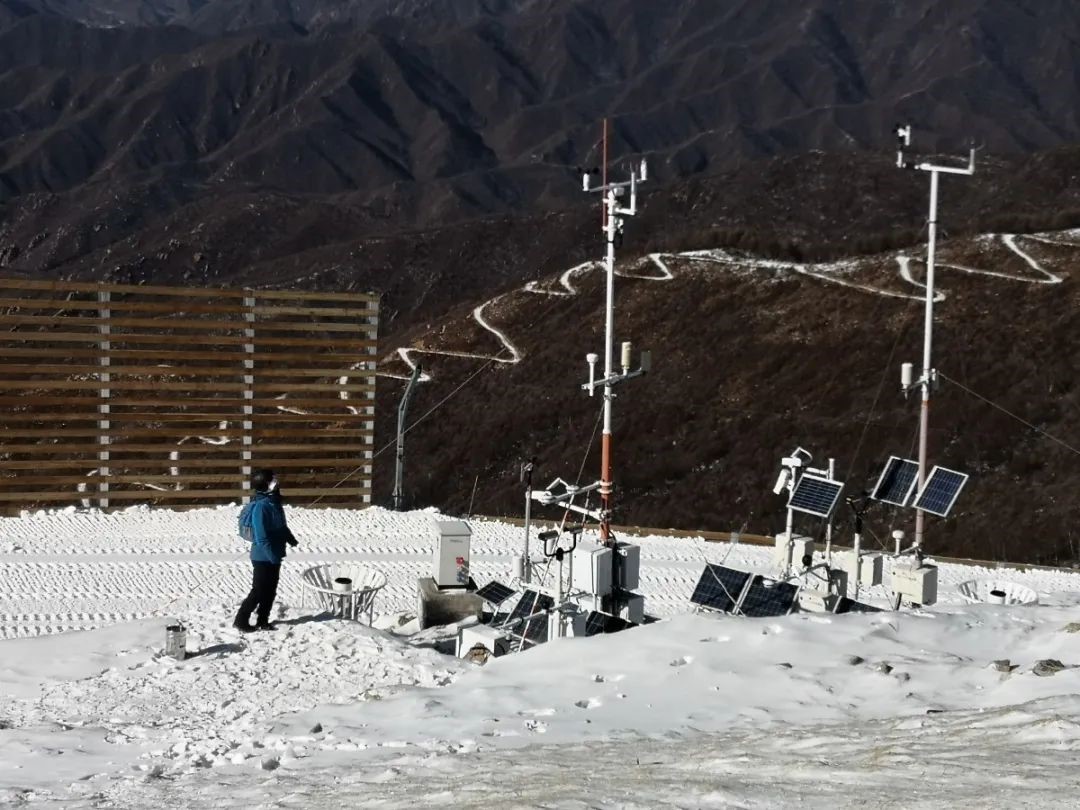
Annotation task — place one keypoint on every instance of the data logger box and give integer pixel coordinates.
(867, 569)
(817, 601)
(592, 569)
(451, 562)
(627, 566)
(916, 584)
(482, 635)
(632, 608)
(801, 546)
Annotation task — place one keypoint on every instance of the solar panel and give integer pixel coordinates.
(766, 598)
(535, 630)
(524, 607)
(719, 588)
(845, 605)
(815, 496)
(495, 593)
(597, 623)
(897, 482)
(940, 491)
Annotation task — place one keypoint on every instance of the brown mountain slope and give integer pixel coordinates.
(751, 360)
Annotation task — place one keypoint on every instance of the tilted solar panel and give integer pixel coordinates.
(940, 491)
(815, 496)
(719, 588)
(897, 482)
(495, 593)
(767, 598)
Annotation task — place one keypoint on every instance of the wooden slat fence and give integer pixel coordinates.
(119, 394)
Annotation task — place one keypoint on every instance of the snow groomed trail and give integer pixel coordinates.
(836, 273)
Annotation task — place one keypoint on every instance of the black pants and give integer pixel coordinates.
(264, 582)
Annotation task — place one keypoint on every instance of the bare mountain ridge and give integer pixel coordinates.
(504, 99)
(222, 16)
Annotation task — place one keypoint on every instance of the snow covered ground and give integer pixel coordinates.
(877, 710)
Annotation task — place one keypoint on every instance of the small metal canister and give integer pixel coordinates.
(176, 641)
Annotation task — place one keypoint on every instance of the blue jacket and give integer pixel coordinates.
(269, 530)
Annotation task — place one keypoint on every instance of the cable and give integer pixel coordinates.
(1009, 413)
(589, 446)
(430, 411)
(881, 384)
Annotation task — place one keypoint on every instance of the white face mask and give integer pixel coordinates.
(273, 485)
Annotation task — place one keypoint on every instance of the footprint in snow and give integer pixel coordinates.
(536, 726)
(682, 660)
(716, 639)
(589, 703)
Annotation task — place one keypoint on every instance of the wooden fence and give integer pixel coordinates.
(121, 394)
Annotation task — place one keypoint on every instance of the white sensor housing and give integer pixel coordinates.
(906, 374)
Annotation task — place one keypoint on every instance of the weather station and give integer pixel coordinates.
(569, 585)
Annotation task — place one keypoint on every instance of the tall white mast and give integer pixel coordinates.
(929, 375)
(612, 227)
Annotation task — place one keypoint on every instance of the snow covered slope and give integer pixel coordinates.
(896, 710)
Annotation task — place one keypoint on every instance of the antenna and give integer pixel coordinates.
(929, 375)
(612, 228)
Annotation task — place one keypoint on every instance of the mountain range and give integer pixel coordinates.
(430, 150)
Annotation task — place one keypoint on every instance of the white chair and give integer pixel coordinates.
(347, 590)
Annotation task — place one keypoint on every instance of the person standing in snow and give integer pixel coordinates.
(269, 536)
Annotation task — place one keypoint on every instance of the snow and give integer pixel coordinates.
(865, 710)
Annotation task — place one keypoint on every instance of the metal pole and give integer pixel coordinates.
(603, 177)
(526, 567)
(828, 525)
(560, 631)
(857, 550)
(928, 330)
(790, 539)
(903, 134)
(609, 347)
(399, 465)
